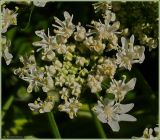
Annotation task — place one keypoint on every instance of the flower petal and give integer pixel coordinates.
(125, 108)
(102, 118)
(124, 43)
(126, 117)
(130, 85)
(114, 125)
(132, 39)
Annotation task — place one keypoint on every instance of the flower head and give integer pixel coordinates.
(112, 113)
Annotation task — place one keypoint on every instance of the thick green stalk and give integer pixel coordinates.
(53, 125)
(98, 125)
(7, 105)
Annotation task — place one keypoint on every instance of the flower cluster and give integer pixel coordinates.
(9, 18)
(75, 59)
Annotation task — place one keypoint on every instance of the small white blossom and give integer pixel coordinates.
(106, 31)
(81, 61)
(48, 44)
(94, 82)
(120, 88)
(68, 56)
(71, 48)
(64, 93)
(31, 73)
(66, 27)
(42, 106)
(107, 68)
(71, 107)
(61, 49)
(48, 84)
(129, 54)
(39, 3)
(80, 35)
(102, 6)
(60, 80)
(111, 113)
(9, 17)
(152, 44)
(51, 70)
(94, 45)
(150, 134)
(5, 50)
(76, 89)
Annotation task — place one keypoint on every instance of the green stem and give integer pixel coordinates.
(53, 125)
(7, 105)
(25, 28)
(97, 94)
(98, 125)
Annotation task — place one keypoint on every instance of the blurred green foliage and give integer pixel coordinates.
(20, 121)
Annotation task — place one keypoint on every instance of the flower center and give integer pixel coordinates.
(108, 112)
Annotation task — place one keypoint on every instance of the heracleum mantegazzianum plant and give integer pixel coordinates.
(77, 59)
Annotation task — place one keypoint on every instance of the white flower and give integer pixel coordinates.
(60, 80)
(76, 89)
(80, 35)
(71, 107)
(61, 49)
(64, 93)
(71, 48)
(34, 106)
(102, 6)
(149, 134)
(46, 107)
(120, 88)
(81, 61)
(31, 73)
(48, 84)
(68, 56)
(107, 31)
(107, 68)
(9, 17)
(129, 54)
(39, 3)
(35, 80)
(48, 44)
(94, 82)
(5, 50)
(42, 106)
(152, 44)
(66, 27)
(51, 70)
(94, 45)
(109, 16)
(111, 113)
